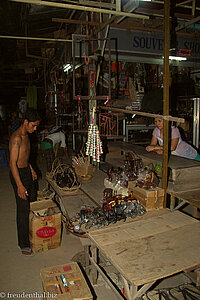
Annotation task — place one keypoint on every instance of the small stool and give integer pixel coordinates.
(3, 158)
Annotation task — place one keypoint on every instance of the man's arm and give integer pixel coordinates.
(14, 154)
(66, 153)
(33, 173)
(63, 144)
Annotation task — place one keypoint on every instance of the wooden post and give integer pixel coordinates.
(166, 94)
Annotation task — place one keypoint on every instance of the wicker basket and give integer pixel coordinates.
(59, 167)
(84, 172)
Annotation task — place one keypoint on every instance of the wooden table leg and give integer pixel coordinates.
(198, 277)
(132, 291)
(194, 275)
(196, 212)
(94, 254)
(172, 202)
(65, 216)
(87, 260)
(127, 288)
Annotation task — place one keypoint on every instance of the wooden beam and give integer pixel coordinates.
(32, 38)
(195, 20)
(84, 8)
(183, 3)
(160, 13)
(70, 21)
(193, 7)
(97, 4)
(131, 26)
(128, 7)
(144, 114)
(118, 5)
(166, 97)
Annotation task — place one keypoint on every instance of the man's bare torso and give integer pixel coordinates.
(21, 144)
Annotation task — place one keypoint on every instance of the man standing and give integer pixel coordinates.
(22, 176)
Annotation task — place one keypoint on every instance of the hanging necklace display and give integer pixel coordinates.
(94, 144)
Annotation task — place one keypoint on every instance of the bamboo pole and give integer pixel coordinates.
(144, 114)
(84, 8)
(79, 22)
(33, 38)
(166, 96)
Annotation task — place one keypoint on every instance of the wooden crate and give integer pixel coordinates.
(76, 289)
(150, 199)
(44, 225)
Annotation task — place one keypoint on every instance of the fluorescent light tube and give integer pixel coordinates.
(176, 57)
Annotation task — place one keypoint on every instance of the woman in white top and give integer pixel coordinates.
(178, 146)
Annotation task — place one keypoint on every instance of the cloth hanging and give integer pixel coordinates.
(32, 96)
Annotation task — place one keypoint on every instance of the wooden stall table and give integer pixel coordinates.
(184, 172)
(60, 196)
(191, 197)
(90, 194)
(151, 247)
(184, 175)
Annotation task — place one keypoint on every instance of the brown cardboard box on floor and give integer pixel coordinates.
(44, 225)
(75, 287)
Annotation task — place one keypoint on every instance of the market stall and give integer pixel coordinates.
(147, 249)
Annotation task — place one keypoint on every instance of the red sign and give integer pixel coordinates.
(46, 232)
(184, 52)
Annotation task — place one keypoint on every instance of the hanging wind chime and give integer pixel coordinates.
(94, 144)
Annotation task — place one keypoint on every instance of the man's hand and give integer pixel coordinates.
(22, 192)
(33, 173)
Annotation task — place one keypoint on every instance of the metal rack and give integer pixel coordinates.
(130, 127)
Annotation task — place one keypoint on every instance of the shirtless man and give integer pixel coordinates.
(22, 176)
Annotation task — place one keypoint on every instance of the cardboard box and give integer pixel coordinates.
(76, 285)
(44, 225)
(150, 199)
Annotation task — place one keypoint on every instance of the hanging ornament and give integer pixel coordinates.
(94, 145)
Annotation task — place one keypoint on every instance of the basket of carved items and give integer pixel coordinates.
(83, 169)
(64, 177)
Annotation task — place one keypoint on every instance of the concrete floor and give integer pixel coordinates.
(22, 274)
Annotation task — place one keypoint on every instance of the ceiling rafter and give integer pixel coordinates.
(97, 4)
(195, 20)
(84, 8)
(184, 2)
(181, 4)
(128, 7)
(71, 21)
(154, 13)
